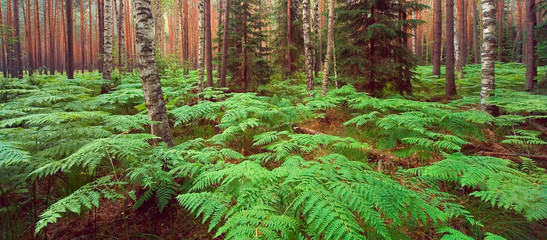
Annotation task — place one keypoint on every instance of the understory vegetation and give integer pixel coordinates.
(279, 163)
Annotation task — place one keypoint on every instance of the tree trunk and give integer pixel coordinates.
(500, 28)
(121, 38)
(244, 82)
(437, 35)
(316, 59)
(450, 46)
(456, 40)
(107, 58)
(531, 69)
(91, 53)
(82, 35)
(488, 54)
(475, 34)
(151, 85)
(70, 41)
(225, 44)
(3, 47)
(307, 43)
(371, 54)
(17, 33)
(201, 43)
(289, 37)
(100, 7)
(516, 48)
(330, 44)
(220, 41)
(208, 43)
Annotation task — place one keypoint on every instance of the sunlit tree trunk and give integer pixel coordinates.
(316, 21)
(450, 46)
(437, 35)
(330, 44)
(488, 54)
(100, 7)
(531, 69)
(456, 37)
(151, 85)
(307, 43)
(220, 42)
(225, 44)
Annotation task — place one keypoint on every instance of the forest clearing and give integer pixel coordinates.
(261, 119)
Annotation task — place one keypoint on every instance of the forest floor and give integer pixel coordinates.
(119, 220)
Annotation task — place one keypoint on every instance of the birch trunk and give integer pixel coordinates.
(107, 58)
(151, 86)
(330, 44)
(307, 43)
(451, 45)
(488, 54)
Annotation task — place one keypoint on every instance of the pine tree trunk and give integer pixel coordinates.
(225, 44)
(151, 85)
(488, 54)
(475, 34)
(451, 41)
(82, 35)
(516, 48)
(289, 36)
(201, 43)
(208, 43)
(307, 43)
(456, 38)
(437, 35)
(17, 33)
(3, 63)
(91, 43)
(330, 44)
(107, 58)
(500, 28)
(531, 69)
(70, 41)
(244, 82)
(316, 61)
(220, 42)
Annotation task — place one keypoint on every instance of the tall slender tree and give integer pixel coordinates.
(91, 53)
(225, 44)
(201, 43)
(100, 19)
(450, 42)
(70, 41)
(208, 43)
(18, 73)
(330, 44)
(151, 85)
(500, 19)
(245, 64)
(437, 35)
(531, 69)
(82, 35)
(107, 58)
(474, 30)
(488, 54)
(289, 36)
(121, 38)
(307, 43)
(3, 54)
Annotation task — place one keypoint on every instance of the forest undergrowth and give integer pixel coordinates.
(277, 163)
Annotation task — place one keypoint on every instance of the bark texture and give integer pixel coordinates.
(474, 30)
(437, 35)
(121, 37)
(151, 86)
(531, 69)
(201, 43)
(70, 41)
(451, 42)
(208, 43)
(225, 44)
(307, 43)
(488, 55)
(18, 73)
(330, 44)
(107, 58)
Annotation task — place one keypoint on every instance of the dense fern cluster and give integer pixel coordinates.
(244, 166)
